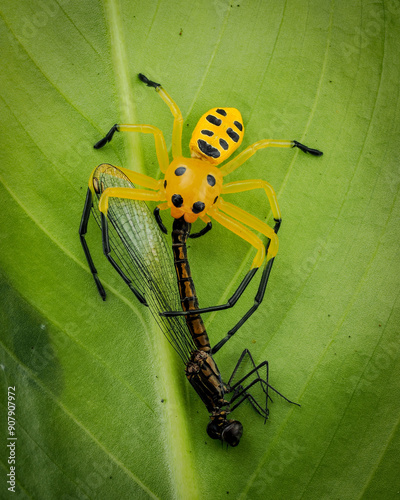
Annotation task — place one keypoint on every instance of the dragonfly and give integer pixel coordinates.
(136, 247)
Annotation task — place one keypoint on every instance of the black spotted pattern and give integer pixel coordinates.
(207, 149)
(198, 207)
(216, 198)
(232, 134)
(221, 112)
(224, 144)
(177, 200)
(180, 171)
(207, 132)
(238, 125)
(214, 120)
(165, 184)
(211, 180)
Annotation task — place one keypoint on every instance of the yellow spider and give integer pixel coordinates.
(192, 187)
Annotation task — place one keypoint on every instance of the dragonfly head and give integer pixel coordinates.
(228, 431)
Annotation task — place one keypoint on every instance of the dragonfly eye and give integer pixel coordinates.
(214, 430)
(232, 433)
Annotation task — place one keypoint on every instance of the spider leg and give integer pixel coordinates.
(161, 147)
(266, 143)
(257, 301)
(251, 238)
(129, 194)
(178, 119)
(240, 186)
(249, 185)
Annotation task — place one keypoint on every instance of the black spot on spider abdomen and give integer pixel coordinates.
(232, 134)
(207, 132)
(207, 149)
(221, 111)
(180, 171)
(211, 180)
(214, 120)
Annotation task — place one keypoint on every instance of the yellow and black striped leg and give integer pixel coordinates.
(176, 113)
(82, 232)
(257, 301)
(107, 253)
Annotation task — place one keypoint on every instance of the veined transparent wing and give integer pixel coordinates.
(141, 251)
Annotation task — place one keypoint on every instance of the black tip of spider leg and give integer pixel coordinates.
(278, 223)
(306, 149)
(107, 138)
(148, 82)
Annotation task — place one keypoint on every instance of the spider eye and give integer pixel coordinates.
(198, 207)
(177, 200)
(211, 180)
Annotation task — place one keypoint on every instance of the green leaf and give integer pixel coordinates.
(103, 409)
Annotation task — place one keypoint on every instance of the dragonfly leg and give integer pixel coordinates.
(107, 253)
(237, 388)
(241, 393)
(82, 232)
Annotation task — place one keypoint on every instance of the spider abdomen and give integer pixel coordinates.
(217, 135)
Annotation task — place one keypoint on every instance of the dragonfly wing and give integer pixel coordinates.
(141, 251)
